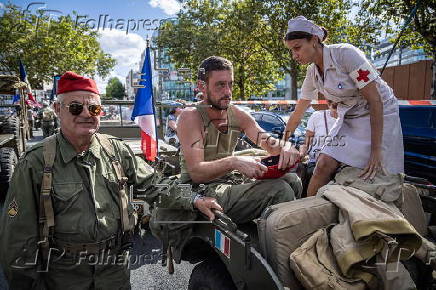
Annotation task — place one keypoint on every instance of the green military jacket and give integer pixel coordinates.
(85, 197)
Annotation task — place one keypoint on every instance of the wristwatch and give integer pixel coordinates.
(197, 197)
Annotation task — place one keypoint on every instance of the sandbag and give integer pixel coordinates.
(389, 188)
(412, 208)
(285, 227)
(315, 265)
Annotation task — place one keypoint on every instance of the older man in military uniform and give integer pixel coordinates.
(66, 220)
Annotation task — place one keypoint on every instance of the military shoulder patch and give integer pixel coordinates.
(12, 208)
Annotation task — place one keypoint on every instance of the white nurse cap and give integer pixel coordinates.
(300, 23)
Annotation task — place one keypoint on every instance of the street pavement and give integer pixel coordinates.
(147, 272)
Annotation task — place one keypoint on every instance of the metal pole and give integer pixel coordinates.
(121, 115)
(161, 124)
(22, 118)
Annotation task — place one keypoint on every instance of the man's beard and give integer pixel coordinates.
(216, 105)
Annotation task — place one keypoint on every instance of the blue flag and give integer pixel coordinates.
(144, 111)
(16, 98)
(144, 96)
(23, 74)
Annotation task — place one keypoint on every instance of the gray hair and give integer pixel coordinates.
(60, 98)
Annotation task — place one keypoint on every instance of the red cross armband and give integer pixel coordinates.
(365, 74)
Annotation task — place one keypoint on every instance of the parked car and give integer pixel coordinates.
(275, 124)
(245, 108)
(419, 135)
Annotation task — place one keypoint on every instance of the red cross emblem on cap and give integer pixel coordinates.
(363, 75)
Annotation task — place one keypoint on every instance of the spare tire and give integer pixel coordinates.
(211, 274)
(8, 161)
(12, 126)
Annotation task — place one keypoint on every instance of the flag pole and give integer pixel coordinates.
(154, 102)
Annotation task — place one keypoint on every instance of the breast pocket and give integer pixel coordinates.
(338, 84)
(65, 195)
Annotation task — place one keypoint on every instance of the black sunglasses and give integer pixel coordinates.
(76, 109)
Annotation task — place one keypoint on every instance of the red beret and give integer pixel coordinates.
(70, 81)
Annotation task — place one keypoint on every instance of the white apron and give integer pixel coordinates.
(353, 127)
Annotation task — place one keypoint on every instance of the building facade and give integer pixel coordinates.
(401, 55)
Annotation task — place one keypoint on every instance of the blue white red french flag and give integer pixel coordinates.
(222, 243)
(23, 77)
(143, 111)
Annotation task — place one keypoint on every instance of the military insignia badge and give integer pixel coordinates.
(12, 208)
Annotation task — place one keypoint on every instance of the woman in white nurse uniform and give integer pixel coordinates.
(368, 123)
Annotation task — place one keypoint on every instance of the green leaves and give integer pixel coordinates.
(390, 14)
(250, 34)
(114, 89)
(49, 47)
(227, 29)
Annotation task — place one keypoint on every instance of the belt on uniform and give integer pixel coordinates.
(89, 248)
(233, 178)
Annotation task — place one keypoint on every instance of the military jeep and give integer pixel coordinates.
(13, 128)
(242, 261)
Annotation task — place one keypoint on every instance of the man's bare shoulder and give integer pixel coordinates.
(242, 116)
(188, 116)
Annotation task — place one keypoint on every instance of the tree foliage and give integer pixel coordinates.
(392, 14)
(49, 46)
(115, 89)
(332, 15)
(250, 33)
(224, 28)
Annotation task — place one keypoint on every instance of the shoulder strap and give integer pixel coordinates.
(206, 122)
(325, 123)
(106, 144)
(233, 122)
(108, 147)
(204, 116)
(46, 213)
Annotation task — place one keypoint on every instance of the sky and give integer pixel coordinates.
(137, 19)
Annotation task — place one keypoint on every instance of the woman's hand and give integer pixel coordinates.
(375, 165)
(303, 151)
(288, 154)
(370, 93)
